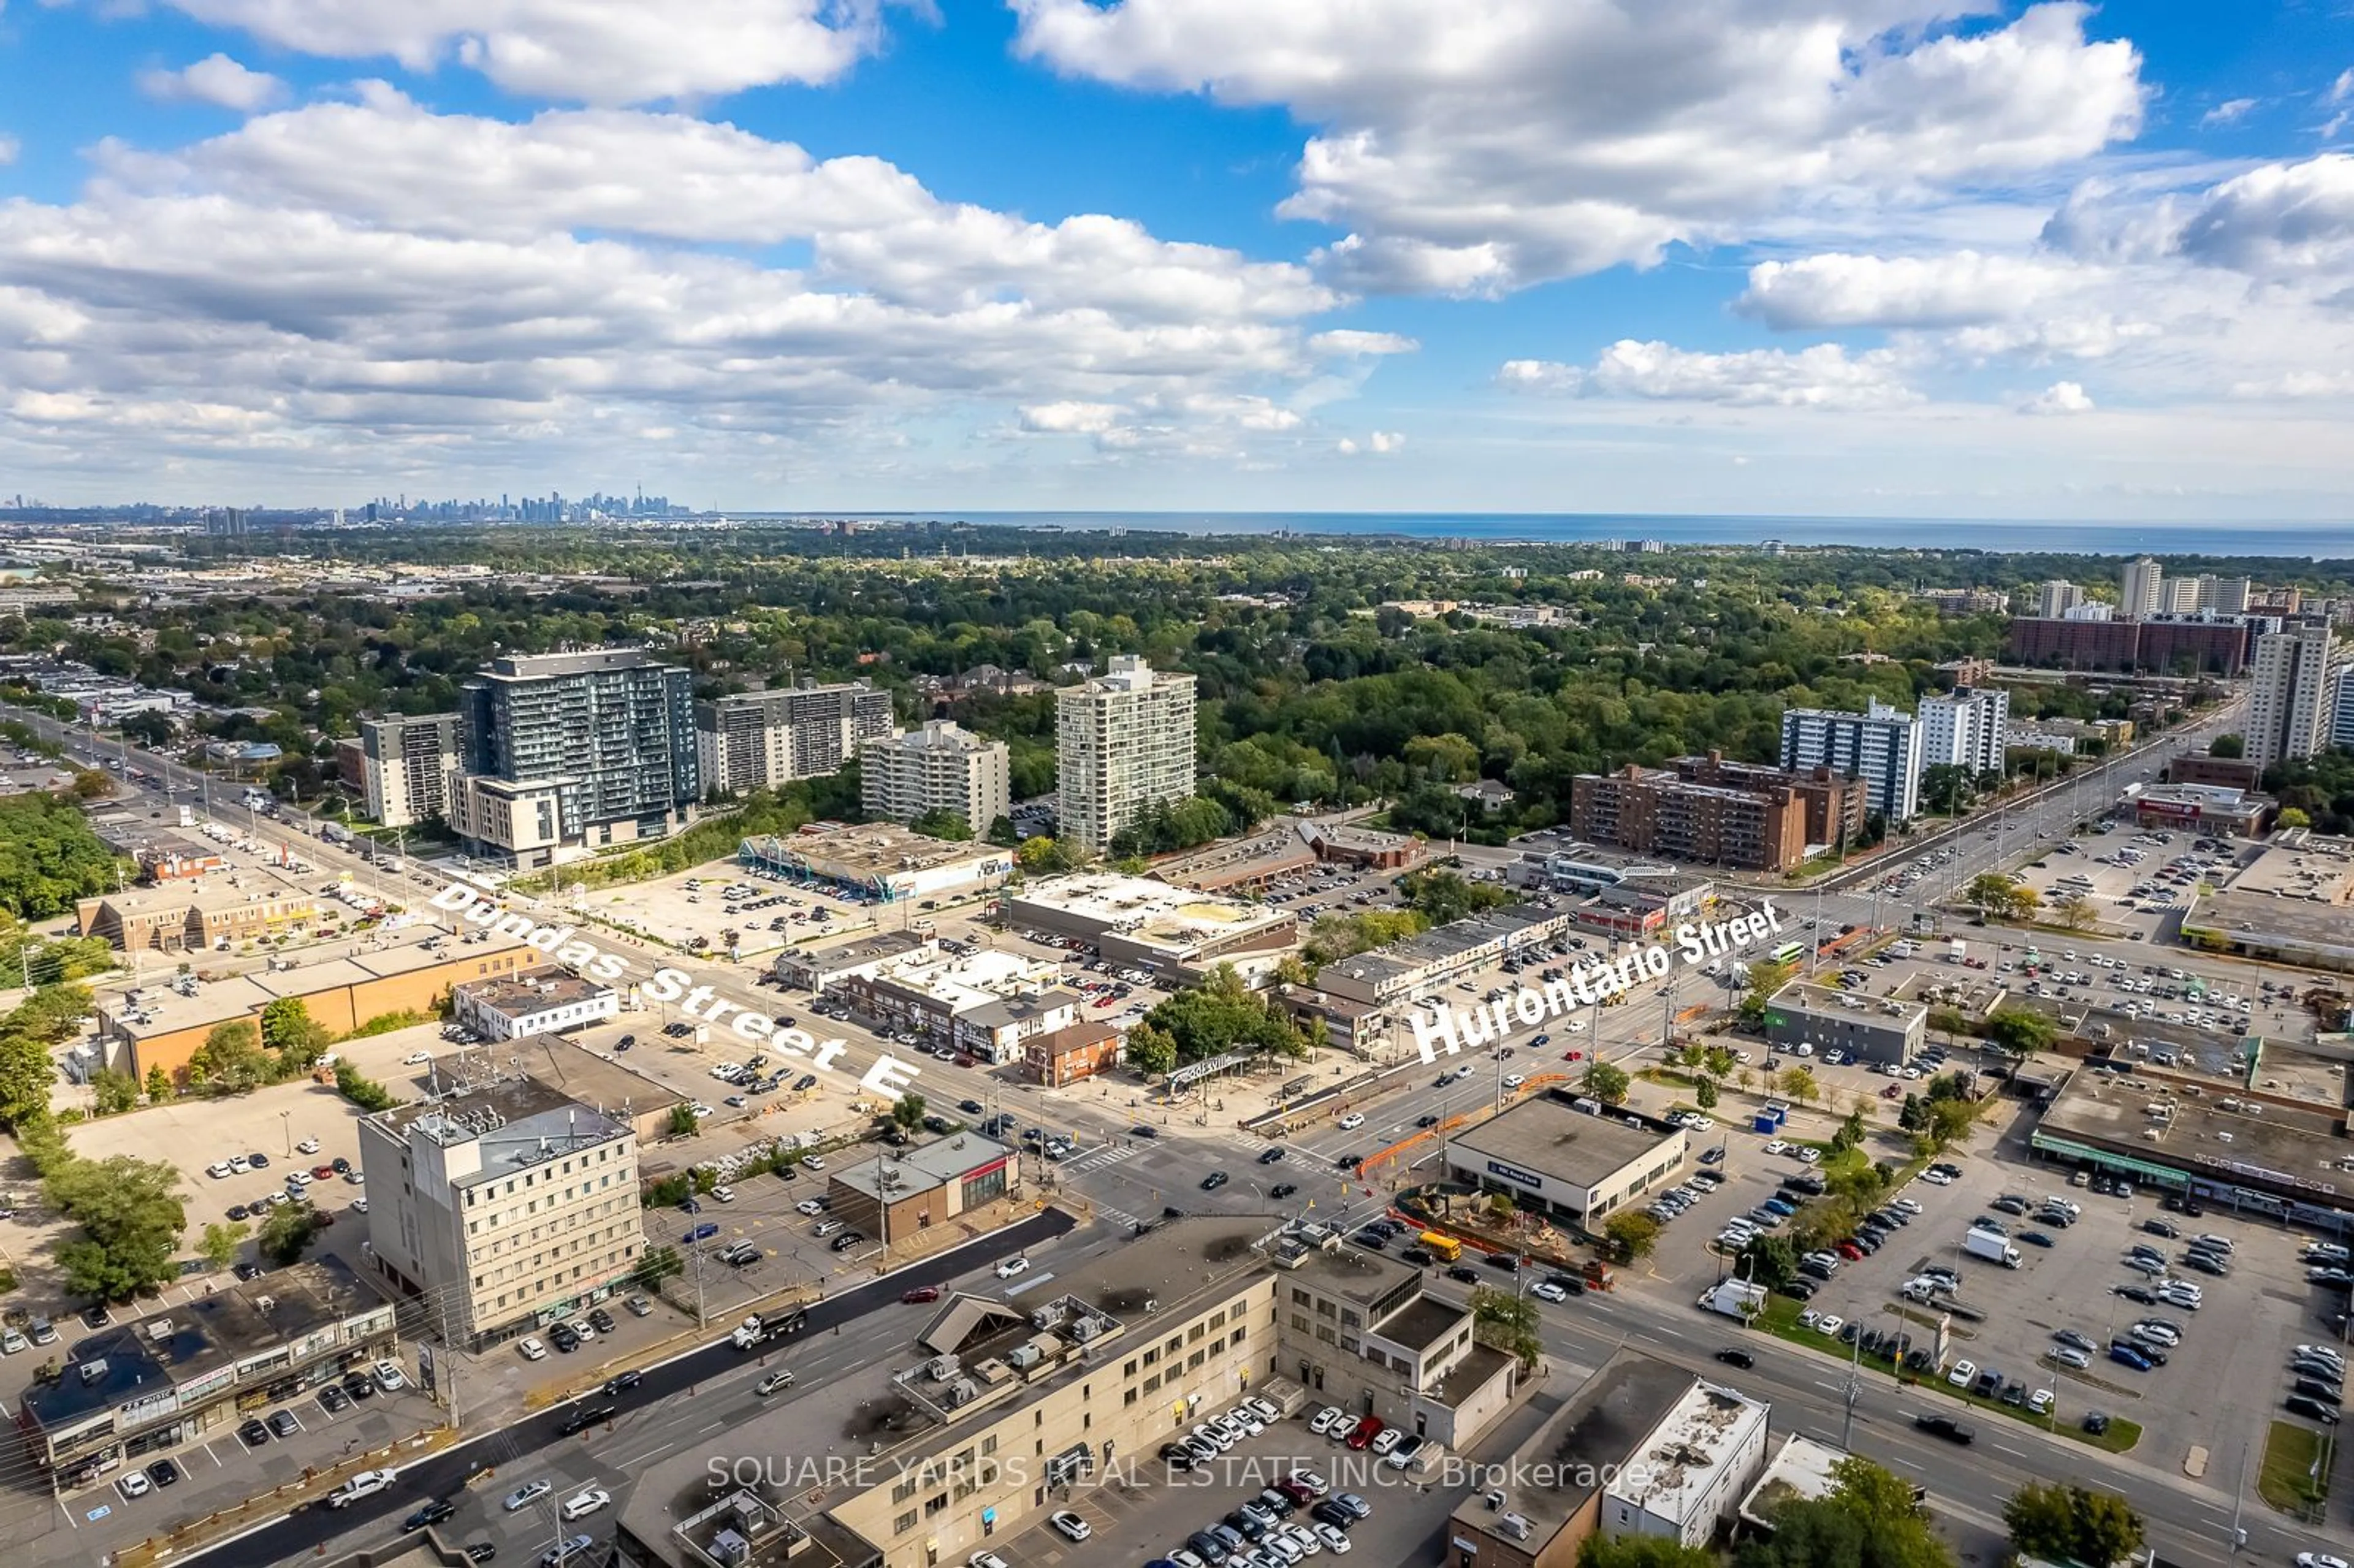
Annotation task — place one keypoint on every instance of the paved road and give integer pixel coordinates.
(527, 1448)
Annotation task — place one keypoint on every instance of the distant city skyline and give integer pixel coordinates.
(1855, 259)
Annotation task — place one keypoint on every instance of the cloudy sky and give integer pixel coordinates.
(1898, 257)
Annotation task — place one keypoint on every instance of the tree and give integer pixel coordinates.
(290, 1229)
(159, 1085)
(1634, 1235)
(1850, 1134)
(1607, 1083)
(1764, 979)
(1003, 834)
(2076, 911)
(1508, 1322)
(230, 1061)
(1799, 1083)
(365, 1093)
(2063, 1522)
(2293, 817)
(131, 1215)
(942, 823)
(1949, 1122)
(1912, 1116)
(2228, 746)
(1641, 1552)
(288, 1028)
(113, 1092)
(1705, 1094)
(1869, 1520)
(1773, 1261)
(909, 1112)
(49, 856)
(657, 1263)
(221, 1242)
(27, 1072)
(2020, 1032)
(683, 1122)
(1150, 1049)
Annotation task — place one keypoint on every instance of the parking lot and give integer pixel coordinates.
(2135, 880)
(1145, 1507)
(2221, 1364)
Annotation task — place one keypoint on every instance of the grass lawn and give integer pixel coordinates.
(2285, 1480)
(1780, 1319)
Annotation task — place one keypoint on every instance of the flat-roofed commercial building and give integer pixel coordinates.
(940, 767)
(2280, 1151)
(880, 862)
(1014, 1398)
(1702, 1459)
(1577, 1164)
(1141, 923)
(184, 921)
(1883, 1030)
(406, 766)
(760, 740)
(1122, 741)
(2294, 906)
(158, 1027)
(815, 969)
(2202, 807)
(1422, 963)
(183, 1371)
(928, 1186)
(543, 1001)
(504, 1210)
(1549, 1501)
(985, 1003)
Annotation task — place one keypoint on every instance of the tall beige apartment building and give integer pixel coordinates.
(1121, 742)
(942, 766)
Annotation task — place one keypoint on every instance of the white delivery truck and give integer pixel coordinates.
(1734, 1299)
(1956, 951)
(1991, 1245)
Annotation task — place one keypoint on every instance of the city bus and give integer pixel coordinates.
(1788, 953)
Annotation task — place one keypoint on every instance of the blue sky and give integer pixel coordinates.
(1868, 257)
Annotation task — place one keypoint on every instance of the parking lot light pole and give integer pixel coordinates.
(286, 1122)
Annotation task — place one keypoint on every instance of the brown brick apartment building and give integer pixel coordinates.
(2155, 647)
(1652, 811)
(1080, 1050)
(1834, 802)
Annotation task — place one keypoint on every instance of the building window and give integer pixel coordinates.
(903, 1522)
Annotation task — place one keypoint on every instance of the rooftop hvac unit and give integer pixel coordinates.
(94, 1370)
(1085, 1329)
(1046, 1317)
(159, 1330)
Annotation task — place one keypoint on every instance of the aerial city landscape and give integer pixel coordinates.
(1175, 784)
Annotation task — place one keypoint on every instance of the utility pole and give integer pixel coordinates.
(1852, 1393)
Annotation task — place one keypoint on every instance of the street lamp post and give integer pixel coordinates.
(286, 1122)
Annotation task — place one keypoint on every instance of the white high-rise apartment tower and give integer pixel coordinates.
(1967, 729)
(2056, 598)
(1880, 745)
(2289, 701)
(1121, 742)
(2145, 581)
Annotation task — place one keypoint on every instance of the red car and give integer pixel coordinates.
(1851, 1252)
(1367, 1430)
(1572, 1055)
(922, 1293)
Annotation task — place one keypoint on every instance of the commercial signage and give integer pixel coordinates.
(1517, 1176)
(205, 1387)
(154, 1407)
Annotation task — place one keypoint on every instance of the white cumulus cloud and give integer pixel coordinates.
(1486, 145)
(1823, 376)
(1962, 288)
(215, 79)
(2060, 398)
(593, 51)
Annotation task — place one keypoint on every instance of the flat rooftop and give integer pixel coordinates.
(962, 981)
(564, 1066)
(317, 968)
(1143, 909)
(533, 990)
(871, 850)
(922, 1168)
(1263, 854)
(518, 1121)
(1560, 1468)
(1423, 1323)
(2199, 1133)
(179, 1343)
(1687, 1452)
(1552, 1137)
(2295, 895)
(864, 949)
(1446, 942)
(1801, 1470)
(1806, 996)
